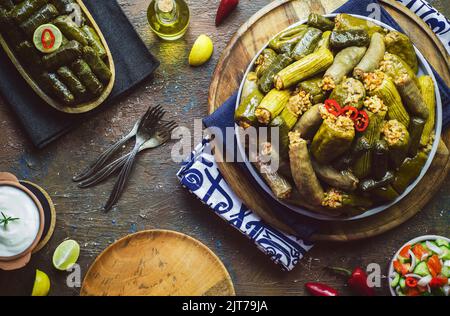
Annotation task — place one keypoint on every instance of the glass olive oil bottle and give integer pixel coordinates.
(169, 19)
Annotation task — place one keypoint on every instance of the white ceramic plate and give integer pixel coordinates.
(412, 241)
(424, 69)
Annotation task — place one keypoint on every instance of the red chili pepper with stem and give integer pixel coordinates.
(320, 289)
(225, 9)
(357, 280)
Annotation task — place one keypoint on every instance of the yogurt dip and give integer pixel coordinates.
(18, 235)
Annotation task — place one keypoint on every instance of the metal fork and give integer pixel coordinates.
(146, 130)
(103, 158)
(163, 133)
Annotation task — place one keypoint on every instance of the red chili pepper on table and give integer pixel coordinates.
(225, 9)
(319, 289)
(357, 280)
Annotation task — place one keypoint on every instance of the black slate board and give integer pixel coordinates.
(133, 63)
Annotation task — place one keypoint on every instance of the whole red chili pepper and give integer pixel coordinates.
(319, 289)
(224, 10)
(357, 281)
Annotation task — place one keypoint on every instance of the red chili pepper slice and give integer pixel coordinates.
(438, 281)
(411, 282)
(48, 39)
(333, 107)
(362, 121)
(350, 111)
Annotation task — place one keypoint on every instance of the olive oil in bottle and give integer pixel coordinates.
(169, 19)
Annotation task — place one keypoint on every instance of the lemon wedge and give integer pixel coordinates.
(41, 284)
(201, 51)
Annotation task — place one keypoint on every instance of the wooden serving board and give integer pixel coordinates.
(157, 263)
(251, 37)
(79, 108)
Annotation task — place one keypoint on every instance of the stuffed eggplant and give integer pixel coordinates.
(65, 61)
(354, 123)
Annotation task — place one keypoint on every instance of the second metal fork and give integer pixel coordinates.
(146, 130)
(163, 133)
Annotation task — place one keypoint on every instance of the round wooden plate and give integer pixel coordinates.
(227, 77)
(160, 263)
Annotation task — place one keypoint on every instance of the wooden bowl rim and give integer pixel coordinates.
(160, 232)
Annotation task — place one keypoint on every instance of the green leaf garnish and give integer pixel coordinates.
(7, 219)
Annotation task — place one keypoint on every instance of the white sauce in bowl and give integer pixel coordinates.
(20, 234)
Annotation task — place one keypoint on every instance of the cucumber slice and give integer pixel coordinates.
(421, 269)
(47, 38)
(424, 245)
(445, 271)
(404, 260)
(442, 242)
(396, 280)
(402, 283)
(445, 254)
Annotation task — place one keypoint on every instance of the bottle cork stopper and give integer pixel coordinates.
(165, 5)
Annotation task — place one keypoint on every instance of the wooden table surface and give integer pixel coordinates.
(154, 198)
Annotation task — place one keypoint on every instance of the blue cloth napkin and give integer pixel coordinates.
(223, 117)
(201, 176)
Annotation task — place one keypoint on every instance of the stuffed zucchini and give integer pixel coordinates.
(334, 137)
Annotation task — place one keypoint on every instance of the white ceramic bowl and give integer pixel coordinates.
(424, 69)
(412, 241)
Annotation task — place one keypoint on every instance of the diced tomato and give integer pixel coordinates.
(422, 289)
(438, 281)
(413, 291)
(418, 250)
(434, 265)
(402, 268)
(404, 252)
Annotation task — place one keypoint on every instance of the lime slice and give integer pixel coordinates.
(41, 284)
(202, 51)
(66, 255)
(47, 38)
